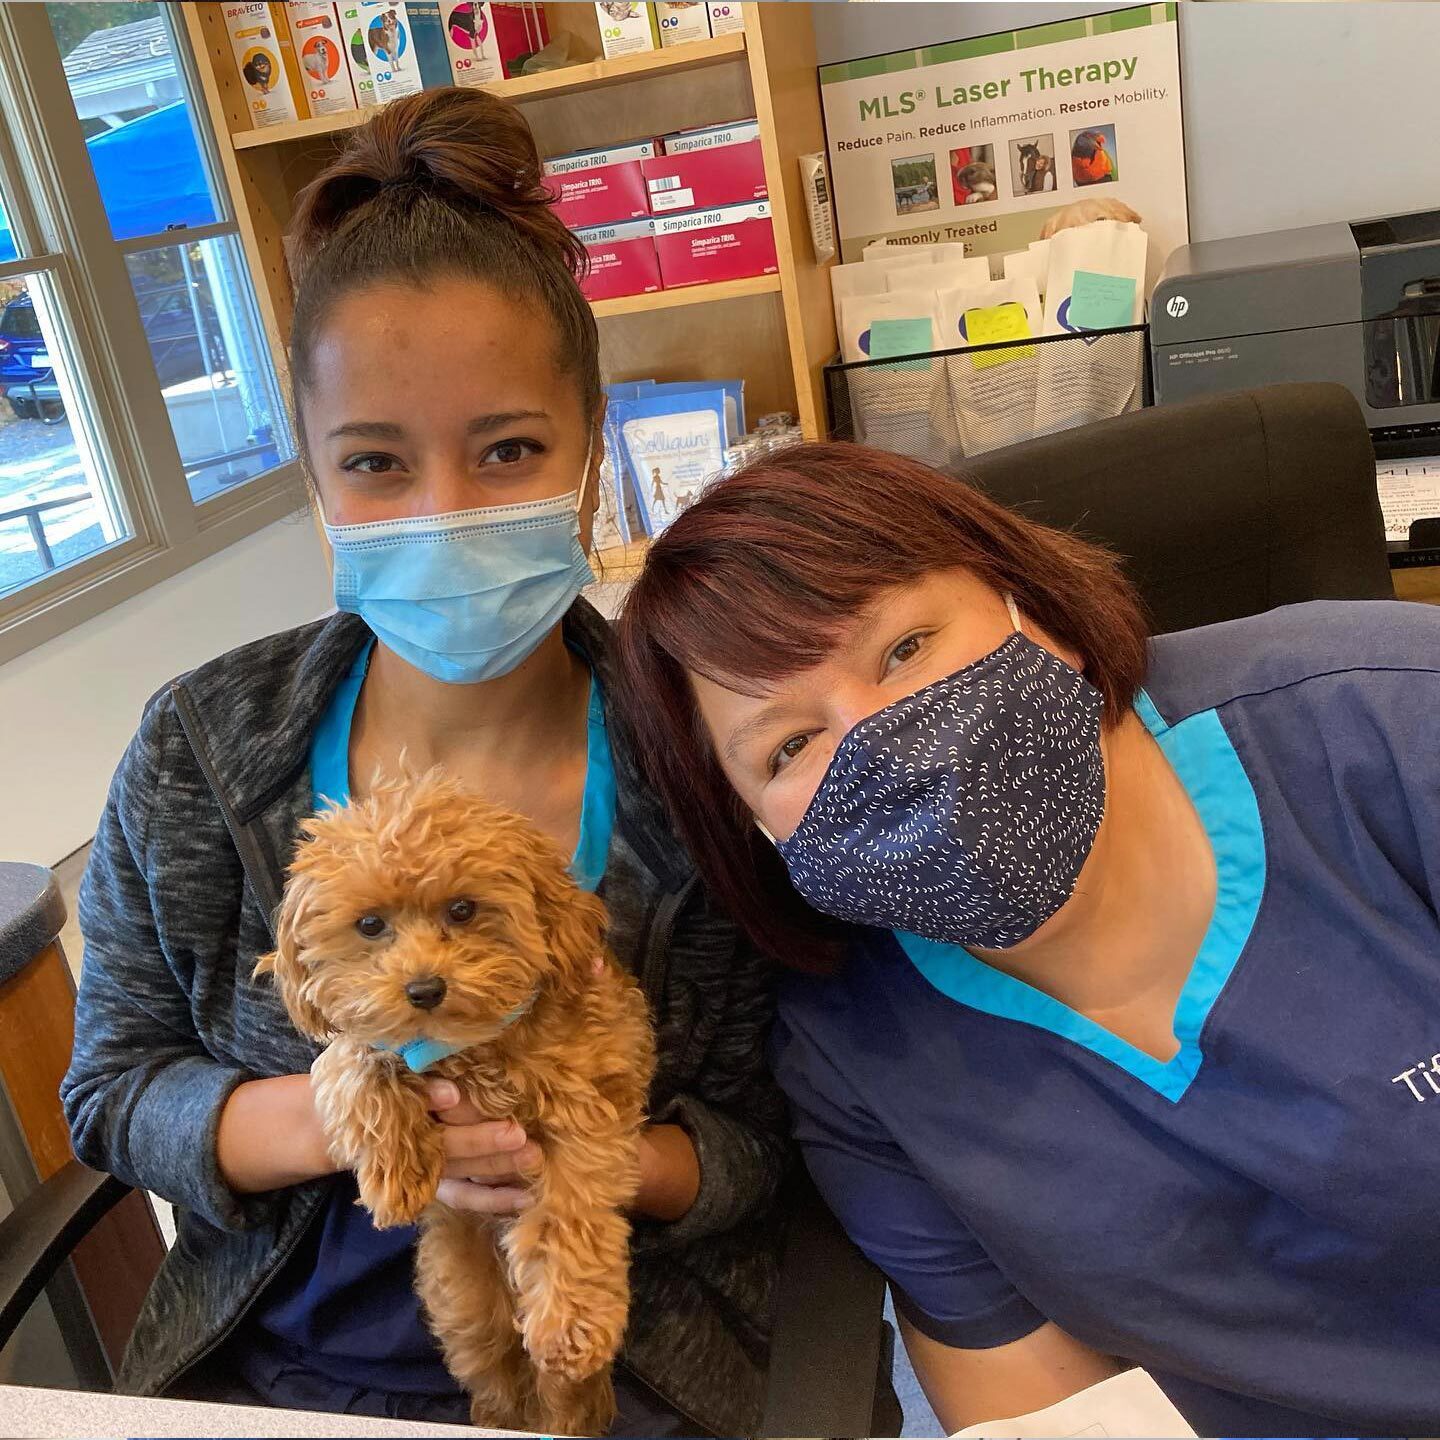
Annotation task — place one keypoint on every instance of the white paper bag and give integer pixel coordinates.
(1128, 1407)
(1084, 380)
(1104, 247)
(903, 407)
(993, 394)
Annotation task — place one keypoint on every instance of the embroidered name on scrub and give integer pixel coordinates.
(1429, 1069)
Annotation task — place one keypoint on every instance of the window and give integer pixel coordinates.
(142, 425)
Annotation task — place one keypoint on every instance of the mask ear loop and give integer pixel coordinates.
(1014, 613)
(585, 476)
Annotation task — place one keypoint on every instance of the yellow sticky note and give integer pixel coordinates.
(994, 324)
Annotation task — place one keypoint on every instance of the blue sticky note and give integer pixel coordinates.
(901, 337)
(1102, 302)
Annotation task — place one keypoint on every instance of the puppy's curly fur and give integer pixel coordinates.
(420, 881)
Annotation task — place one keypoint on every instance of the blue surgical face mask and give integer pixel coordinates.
(466, 596)
(964, 812)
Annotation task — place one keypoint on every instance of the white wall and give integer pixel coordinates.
(71, 706)
(1294, 114)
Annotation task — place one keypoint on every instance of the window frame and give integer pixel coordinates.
(61, 229)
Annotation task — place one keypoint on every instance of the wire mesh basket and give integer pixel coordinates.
(945, 405)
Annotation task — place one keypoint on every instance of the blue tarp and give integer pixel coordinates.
(150, 175)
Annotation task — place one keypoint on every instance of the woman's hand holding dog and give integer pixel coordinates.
(489, 1164)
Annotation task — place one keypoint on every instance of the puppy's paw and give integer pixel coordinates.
(571, 1346)
(395, 1195)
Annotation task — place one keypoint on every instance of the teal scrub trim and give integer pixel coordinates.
(330, 786)
(1203, 757)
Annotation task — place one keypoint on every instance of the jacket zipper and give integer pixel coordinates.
(653, 970)
(261, 881)
(655, 965)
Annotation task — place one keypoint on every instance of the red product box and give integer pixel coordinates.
(605, 195)
(520, 30)
(710, 245)
(622, 260)
(704, 179)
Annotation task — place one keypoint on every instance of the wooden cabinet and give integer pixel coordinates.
(775, 331)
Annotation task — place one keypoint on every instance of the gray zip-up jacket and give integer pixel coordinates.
(176, 905)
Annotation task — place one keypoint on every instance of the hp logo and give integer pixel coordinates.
(1176, 306)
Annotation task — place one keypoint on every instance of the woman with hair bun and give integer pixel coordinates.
(448, 400)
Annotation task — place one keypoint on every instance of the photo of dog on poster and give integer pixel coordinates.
(972, 175)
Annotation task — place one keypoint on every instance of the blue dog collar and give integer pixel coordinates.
(420, 1055)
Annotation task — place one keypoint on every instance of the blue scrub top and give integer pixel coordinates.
(1254, 1221)
(344, 1308)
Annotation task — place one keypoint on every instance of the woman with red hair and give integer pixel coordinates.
(1113, 955)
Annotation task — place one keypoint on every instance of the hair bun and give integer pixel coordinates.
(465, 148)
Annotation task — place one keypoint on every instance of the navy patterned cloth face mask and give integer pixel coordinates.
(964, 812)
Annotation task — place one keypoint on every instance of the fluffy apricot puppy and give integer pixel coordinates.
(425, 930)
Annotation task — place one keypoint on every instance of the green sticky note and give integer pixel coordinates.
(995, 324)
(901, 337)
(1101, 302)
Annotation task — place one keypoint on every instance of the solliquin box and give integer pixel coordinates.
(704, 246)
(622, 260)
(627, 27)
(315, 31)
(726, 17)
(595, 159)
(711, 137)
(265, 58)
(604, 195)
(681, 21)
(705, 179)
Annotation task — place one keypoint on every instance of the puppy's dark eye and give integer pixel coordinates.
(372, 927)
(461, 912)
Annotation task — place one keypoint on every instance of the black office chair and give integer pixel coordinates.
(1222, 507)
(830, 1351)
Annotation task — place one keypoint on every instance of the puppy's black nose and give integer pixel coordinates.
(426, 993)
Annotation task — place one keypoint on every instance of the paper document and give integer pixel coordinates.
(1129, 1407)
(1409, 490)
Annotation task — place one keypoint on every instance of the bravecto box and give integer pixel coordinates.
(604, 195)
(471, 42)
(357, 54)
(705, 246)
(595, 159)
(269, 79)
(622, 260)
(391, 55)
(711, 137)
(706, 179)
(315, 31)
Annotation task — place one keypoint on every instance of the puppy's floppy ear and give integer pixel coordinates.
(285, 966)
(574, 922)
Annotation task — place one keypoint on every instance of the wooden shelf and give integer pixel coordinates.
(589, 75)
(689, 295)
(620, 564)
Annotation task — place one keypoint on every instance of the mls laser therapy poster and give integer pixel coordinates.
(982, 140)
